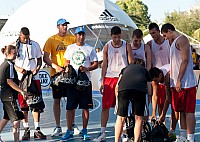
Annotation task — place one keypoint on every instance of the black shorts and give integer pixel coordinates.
(59, 91)
(72, 98)
(11, 111)
(137, 98)
(85, 98)
(82, 98)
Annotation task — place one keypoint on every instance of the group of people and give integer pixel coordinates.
(160, 70)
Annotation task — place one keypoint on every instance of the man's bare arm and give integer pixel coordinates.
(130, 54)
(184, 47)
(148, 56)
(50, 63)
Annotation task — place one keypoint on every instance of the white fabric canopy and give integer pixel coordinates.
(40, 16)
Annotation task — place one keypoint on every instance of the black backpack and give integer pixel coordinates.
(35, 100)
(130, 124)
(64, 78)
(82, 81)
(146, 132)
(159, 132)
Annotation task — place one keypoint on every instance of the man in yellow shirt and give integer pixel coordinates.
(54, 50)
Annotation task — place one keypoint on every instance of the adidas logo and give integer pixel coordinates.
(107, 16)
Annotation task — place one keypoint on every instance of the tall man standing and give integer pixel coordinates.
(83, 59)
(117, 54)
(29, 59)
(160, 57)
(55, 47)
(182, 81)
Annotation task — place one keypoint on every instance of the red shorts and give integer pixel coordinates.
(22, 102)
(185, 100)
(161, 94)
(108, 99)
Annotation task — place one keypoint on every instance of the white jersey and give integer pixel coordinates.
(80, 56)
(160, 53)
(117, 59)
(188, 80)
(27, 57)
(165, 69)
(140, 52)
(100, 56)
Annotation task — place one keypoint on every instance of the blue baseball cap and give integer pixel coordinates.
(80, 29)
(62, 21)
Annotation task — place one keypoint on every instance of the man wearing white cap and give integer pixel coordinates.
(55, 47)
(83, 58)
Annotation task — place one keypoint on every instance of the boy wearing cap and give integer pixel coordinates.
(55, 47)
(83, 58)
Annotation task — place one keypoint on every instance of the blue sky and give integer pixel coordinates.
(157, 8)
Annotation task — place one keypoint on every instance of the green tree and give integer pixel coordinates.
(186, 22)
(137, 11)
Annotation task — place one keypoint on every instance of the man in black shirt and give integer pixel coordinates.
(132, 86)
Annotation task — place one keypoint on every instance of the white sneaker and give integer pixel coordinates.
(124, 137)
(75, 129)
(101, 137)
(57, 132)
(180, 139)
(1, 139)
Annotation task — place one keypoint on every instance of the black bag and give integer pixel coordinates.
(35, 100)
(64, 78)
(82, 81)
(159, 132)
(146, 132)
(130, 124)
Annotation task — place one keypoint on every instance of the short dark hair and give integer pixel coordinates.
(167, 27)
(115, 30)
(138, 33)
(25, 31)
(153, 25)
(139, 62)
(154, 72)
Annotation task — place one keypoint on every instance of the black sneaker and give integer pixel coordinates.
(26, 135)
(38, 134)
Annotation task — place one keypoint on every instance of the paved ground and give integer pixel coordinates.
(47, 121)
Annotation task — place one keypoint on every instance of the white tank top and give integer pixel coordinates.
(160, 53)
(165, 69)
(139, 53)
(189, 79)
(117, 59)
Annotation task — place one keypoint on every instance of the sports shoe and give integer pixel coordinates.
(57, 132)
(38, 134)
(172, 136)
(180, 139)
(68, 135)
(132, 140)
(124, 137)
(100, 137)
(84, 134)
(1, 139)
(26, 135)
(76, 129)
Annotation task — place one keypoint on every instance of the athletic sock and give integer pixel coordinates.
(183, 132)
(25, 125)
(190, 137)
(36, 124)
(103, 129)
